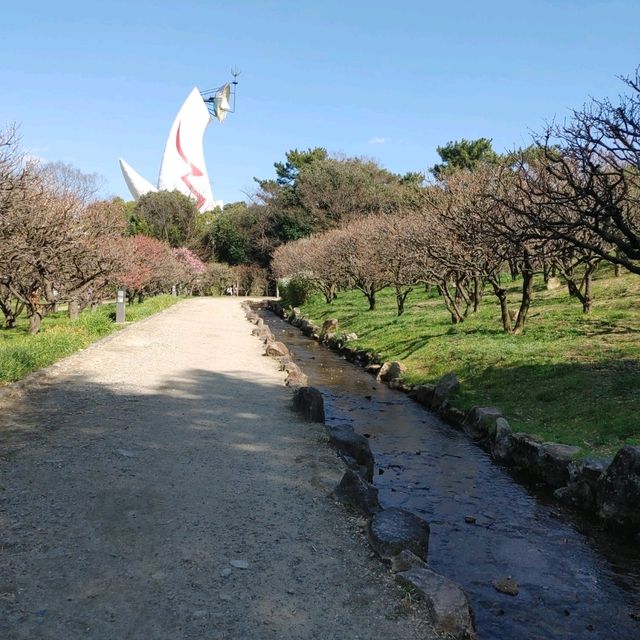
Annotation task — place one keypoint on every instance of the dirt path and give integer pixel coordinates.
(134, 472)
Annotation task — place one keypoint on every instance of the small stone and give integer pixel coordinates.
(506, 585)
(225, 572)
(469, 519)
(239, 564)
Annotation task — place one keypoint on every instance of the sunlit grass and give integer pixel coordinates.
(20, 353)
(571, 378)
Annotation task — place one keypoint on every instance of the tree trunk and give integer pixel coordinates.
(587, 280)
(371, 297)
(501, 294)
(9, 320)
(527, 289)
(478, 289)
(450, 303)
(546, 272)
(583, 290)
(35, 320)
(74, 309)
(329, 293)
(401, 297)
(10, 315)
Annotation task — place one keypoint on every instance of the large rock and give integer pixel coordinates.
(373, 368)
(480, 424)
(308, 402)
(423, 394)
(295, 378)
(334, 342)
(553, 463)
(446, 601)
(329, 327)
(525, 453)
(391, 371)
(446, 387)
(619, 489)
(355, 492)
(276, 350)
(582, 490)
(264, 333)
(354, 446)
(502, 442)
(451, 414)
(393, 530)
(308, 328)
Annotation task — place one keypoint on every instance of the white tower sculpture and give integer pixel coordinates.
(183, 167)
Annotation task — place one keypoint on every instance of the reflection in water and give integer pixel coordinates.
(576, 581)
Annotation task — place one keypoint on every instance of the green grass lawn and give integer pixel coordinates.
(20, 353)
(571, 378)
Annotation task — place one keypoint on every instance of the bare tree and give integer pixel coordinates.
(55, 244)
(473, 236)
(585, 190)
(312, 258)
(14, 176)
(358, 249)
(398, 258)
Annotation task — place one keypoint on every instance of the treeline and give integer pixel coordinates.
(560, 207)
(60, 243)
(475, 221)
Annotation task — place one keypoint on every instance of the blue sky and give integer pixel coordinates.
(90, 82)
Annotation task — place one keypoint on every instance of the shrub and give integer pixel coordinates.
(296, 290)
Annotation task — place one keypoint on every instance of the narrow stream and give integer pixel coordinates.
(576, 581)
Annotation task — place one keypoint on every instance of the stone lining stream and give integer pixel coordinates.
(575, 579)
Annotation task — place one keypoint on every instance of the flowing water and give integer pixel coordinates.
(576, 581)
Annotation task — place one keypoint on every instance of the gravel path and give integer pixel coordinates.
(157, 486)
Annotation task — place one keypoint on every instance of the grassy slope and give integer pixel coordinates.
(570, 378)
(20, 354)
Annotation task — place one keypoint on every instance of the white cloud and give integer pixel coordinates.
(379, 140)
